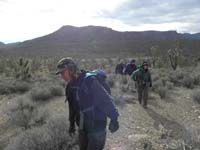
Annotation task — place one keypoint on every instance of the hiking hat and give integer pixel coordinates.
(66, 63)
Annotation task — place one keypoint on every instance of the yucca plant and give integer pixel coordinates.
(22, 69)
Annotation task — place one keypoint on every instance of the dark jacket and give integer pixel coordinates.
(130, 68)
(143, 77)
(88, 98)
(119, 68)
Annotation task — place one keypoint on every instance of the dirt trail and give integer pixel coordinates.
(160, 126)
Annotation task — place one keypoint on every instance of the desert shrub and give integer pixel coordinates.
(45, 90)
(52, 136)
(56, 90)
(40, 94)
(188, 81)
(20, 86)
(196, 96)
(124, 88)
(155, 78)
(162, 91)
(156, 85)
(191, 137)
(58, 133)
(111, 83)
(124, 80)
(176, 77)
(164, 80)
(111, 80)
(119, 100)
(23, 113)
(9, 87)
(4, 88)
(40, 116)
(61, 83)
(197, 80)
(169, 85)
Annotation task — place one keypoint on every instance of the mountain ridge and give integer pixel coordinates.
(98, 39)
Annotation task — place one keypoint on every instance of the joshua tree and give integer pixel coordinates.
(154, 52)
(22, 69)
(174, 55)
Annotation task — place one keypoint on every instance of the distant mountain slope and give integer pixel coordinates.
(96, 40)
(2, 44)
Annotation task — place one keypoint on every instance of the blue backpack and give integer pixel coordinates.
(100, 75)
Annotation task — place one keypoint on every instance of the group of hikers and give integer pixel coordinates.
(90, 101)
(126, 69)
(140, 74)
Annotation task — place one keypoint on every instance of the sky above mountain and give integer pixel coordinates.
(26, 19)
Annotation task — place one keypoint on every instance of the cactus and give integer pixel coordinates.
(153, 52)
(174, 55)
(22, 69)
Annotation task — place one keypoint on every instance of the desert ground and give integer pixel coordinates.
(34, 115)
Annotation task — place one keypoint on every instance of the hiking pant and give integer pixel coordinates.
(143, 95)
(92, 141)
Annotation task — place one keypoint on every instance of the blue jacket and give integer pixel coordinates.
(91, 103)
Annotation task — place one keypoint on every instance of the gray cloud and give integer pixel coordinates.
(137, 12)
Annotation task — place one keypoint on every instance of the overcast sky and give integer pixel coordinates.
(26, 19)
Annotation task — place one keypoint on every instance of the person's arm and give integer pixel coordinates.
(116, 69)
(134, 75)
(150, 80)
(72, 113)
(103, 100)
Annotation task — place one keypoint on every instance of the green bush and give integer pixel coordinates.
(56, 90)
(119, 100)
(156, 85)
(124, 88)
(40, 116)
(196, 96)
(9, 87)
(20, 87)
(111, 78)
(176, 77)
(111, 83)
(21, 111)
(197, 80)
(4, 88)
(191, 137)
(40, 94)
(124, 80)
(155, 78)
(162, 91)
(169, 85)
(188, 82)
(52, 136)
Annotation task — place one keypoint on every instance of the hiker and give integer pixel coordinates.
(90, 104)
(119, 68)
(142, 76)
(130, 67)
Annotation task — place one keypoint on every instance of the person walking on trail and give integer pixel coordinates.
(120, 68)
(142, 76)
(89, 106)
(130, 67)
